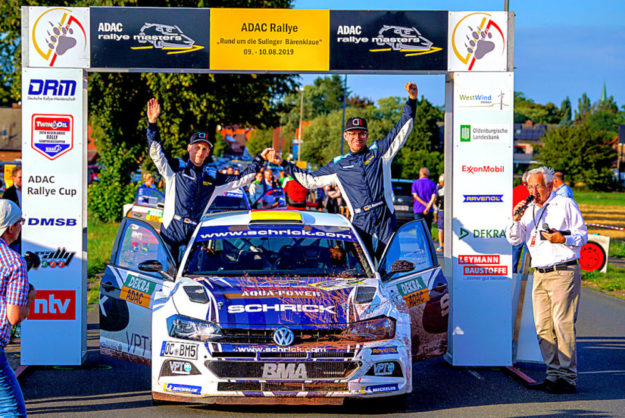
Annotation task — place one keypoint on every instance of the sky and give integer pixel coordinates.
(562, 48)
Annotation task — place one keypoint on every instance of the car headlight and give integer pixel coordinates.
(192, 329)
(381, 328)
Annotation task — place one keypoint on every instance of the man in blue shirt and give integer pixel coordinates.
(560, 187)
(424, 193)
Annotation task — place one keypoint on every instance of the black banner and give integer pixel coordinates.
(124, 37)
(392, 41)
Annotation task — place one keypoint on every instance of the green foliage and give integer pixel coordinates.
(583, 107)
(525, 109)
(580, 152)
(100, 238)
(261, 139)
(613, 280)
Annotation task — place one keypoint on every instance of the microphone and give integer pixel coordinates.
(529, 200)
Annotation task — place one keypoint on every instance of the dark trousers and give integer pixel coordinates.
(428, 218)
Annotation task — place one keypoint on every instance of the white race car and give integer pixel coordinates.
(274, 307)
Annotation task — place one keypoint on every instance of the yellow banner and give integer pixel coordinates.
(269, 40)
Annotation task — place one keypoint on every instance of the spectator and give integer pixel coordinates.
(424, 193)
(519, 194)
(560, 187)
(230, 170)
(16, 296)
(282, 178)
(439, 210)
(237, 171)
(333, 198)
(269, 181)
(256, 190)
(14, 194)
(557, 275)
(295, 195)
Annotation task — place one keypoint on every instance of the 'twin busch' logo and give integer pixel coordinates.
(54, 88)
(52, 222)
(59, 258)
(53, 305)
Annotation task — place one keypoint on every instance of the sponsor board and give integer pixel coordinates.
(482, 265)
(388, 40)
(479, 169)
(52, 222)
(137, 290)
(485, 270)
(51, 90)
(478, 259)
(52, 135)
(176, 387)
(177, 349)
(149, 37)
(269, 39)
(59, 258)
(478, 41)
(52, 305)
(58, 37)
(485, 133)
(379, 388)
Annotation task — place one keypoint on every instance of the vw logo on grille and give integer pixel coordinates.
(283, 337)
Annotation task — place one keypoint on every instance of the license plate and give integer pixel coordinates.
(181, 350)
(402, 207)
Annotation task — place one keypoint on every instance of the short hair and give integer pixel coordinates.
(524, 177)
(441, 177)
(558, 175)
(425, 171)
(16, 169)
(547, 173)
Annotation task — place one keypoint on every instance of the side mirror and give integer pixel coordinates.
(399, 266)
(155, 266)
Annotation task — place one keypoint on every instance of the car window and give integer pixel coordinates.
(224, 202)
(410, 243)
(151, 197)
(139, 243)
(402, 188)
(279, 251)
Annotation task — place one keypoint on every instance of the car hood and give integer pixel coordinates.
(248, 302)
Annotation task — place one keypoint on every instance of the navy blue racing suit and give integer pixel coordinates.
(189, 190)
(364, 179)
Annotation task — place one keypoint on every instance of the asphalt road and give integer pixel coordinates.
(114, 388)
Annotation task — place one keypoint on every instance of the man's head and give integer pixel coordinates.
(148, 179)
(230, 170)
(356, 133)
(268, 175)
(424, 172)
(540, 184)
(10, 221)
(558, 179)
(199, 148)
(259, 176)
(441, 179)
(17, 176)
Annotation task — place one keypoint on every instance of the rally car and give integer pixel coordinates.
(273, 307)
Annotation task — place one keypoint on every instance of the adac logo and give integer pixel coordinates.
(404, 39)
(477, 37)
(56, 32)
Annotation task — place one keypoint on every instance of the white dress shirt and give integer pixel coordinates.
(559, 213)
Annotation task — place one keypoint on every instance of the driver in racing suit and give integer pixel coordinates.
(190, 188)
(363, 175)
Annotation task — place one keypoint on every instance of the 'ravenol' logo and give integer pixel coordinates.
(483, 198)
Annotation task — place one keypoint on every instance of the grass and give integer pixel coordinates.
(613, 281)
(100, 237)
(617, 248)
(599, 198)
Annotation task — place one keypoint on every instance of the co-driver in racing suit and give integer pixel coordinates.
(363, 175)
(190, 189)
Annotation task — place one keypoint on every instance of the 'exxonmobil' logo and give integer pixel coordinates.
(53, 305)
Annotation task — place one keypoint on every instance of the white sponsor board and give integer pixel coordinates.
(53, 199)
(57, 37)
(481, 329)
(478, 41)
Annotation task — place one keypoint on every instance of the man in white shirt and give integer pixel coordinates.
(554, 231)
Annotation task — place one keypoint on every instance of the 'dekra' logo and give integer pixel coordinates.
(482, 233)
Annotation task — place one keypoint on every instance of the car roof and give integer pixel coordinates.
(402, 180)
(275, 217)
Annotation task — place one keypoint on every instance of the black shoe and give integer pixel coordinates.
(562, 386)
(546, 385)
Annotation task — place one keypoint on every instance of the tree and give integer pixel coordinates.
(583, 153)
(565, 110)
(525, 109)
(583, 107)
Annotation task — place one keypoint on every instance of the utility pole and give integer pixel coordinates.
(299, 135)
(344, 106)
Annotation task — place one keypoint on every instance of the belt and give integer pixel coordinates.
(560, 266)
(368, 207)
(185, 220)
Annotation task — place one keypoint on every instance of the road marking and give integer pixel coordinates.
(475, 374)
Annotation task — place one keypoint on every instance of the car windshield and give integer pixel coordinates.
(147, 196)
(228, 202)
(278, 251)
(401, 188)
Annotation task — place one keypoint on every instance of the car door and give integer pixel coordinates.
(127, 293)
(423, 288)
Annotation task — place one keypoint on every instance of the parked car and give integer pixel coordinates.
(403, 200)
(274, 307)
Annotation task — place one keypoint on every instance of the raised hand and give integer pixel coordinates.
(154, 109)
(412, 90)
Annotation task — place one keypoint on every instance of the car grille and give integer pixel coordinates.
(265, 336)
(254, 369)
(281, 387)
